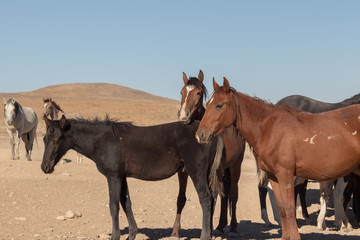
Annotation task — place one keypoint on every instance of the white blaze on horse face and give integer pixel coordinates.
(212, 99)
(9, 113)
(354, 133)
(182, 114)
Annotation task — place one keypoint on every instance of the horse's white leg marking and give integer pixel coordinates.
(325, 191)
(183, 107)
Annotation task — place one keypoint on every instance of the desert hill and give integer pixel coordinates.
(99, 99)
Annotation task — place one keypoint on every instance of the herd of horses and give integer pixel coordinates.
(294, 140)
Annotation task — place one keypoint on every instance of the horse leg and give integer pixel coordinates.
(284, 193)
(223, 221)
(206, 202)
(181, 200)
(235, 171)
(79, 158)
(356, 199)
(325, 193)
(126, 205)
(341, 220)
(274, 206)
(12, 143)
(300, 191)
(17, 143)
(114, 184)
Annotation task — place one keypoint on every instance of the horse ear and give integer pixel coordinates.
(216, 86)
(4, 100)
(185, 79)
(50, 100)
(44, 99)
(226, 85)
(201, 76)
(62, 122)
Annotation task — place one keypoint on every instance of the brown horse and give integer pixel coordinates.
(192, 109)
(287, 142)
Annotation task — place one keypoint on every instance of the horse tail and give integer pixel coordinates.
(262, 177)
(215, 176)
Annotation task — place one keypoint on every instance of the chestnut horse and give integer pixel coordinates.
(192, 95)
(287, 142)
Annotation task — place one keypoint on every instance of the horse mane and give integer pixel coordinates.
(353, 100)
(198, 84)
(268, 106)
(117, 127)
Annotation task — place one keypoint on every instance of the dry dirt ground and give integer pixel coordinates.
(31, 202)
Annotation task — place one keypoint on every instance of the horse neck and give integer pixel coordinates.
(80, 132)
(200, 111)
(56, 114)
(251, 113)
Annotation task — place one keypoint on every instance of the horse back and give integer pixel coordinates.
(158, 152)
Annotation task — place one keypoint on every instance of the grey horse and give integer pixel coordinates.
(20, 122)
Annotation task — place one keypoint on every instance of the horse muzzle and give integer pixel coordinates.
(47, 168)
(203, 137)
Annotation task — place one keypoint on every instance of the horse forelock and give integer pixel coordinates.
(198, 84)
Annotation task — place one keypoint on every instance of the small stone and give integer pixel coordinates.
(20, 218)
(61, 218)
(70, 214)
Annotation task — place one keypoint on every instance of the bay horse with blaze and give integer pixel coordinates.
(192, 108)
(287, 142)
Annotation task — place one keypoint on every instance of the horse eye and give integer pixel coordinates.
(199, 93)
(56, 141)
(219, 106)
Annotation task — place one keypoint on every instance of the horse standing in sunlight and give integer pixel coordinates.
(20, 122)
(192, 95)
(54, 111)
(147, 153)
(287, 142)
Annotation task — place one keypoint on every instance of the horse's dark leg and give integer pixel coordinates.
(235, 170)
(181, 200)
(206, 202)
(114, 184)
(262, 187)
(300, 190)
(356, 199)
(224, 201)
(126, 205)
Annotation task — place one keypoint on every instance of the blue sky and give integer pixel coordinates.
(270, 49)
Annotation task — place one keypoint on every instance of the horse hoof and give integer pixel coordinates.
(233, 235)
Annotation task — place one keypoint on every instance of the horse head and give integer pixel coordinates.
(55, 142)
(192, 95)
(220, 113)
(11, 109)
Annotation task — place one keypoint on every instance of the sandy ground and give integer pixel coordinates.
(31, 202)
